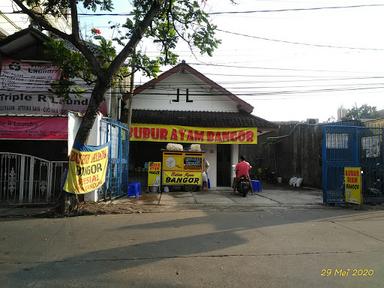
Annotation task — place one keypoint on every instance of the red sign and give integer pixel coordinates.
(34, 128)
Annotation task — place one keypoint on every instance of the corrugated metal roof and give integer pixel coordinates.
(201, 119)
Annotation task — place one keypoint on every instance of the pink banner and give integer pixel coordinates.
(34, 128)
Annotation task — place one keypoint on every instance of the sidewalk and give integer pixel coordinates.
(226, 197)
(218, 199)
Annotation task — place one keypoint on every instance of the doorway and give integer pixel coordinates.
(224, 165)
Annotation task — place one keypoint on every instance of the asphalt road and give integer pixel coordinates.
(266, 247)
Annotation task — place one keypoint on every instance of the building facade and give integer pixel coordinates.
(183, 96)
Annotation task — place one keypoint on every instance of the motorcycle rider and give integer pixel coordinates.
(242, 169)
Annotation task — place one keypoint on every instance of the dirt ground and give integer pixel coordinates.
(145, 204)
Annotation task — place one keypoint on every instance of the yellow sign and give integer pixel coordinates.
(154, 170)
(181, 178)
(352, 182)
(87, 168)
(188, 134)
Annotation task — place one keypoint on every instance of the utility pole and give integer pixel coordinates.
(126, 115)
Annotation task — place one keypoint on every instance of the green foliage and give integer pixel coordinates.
(363, 112)
(178, 20)
(105, 5)
(73, 65)
(164, 22)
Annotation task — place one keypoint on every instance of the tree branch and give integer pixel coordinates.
(75, 21)
(136, 37)
(39, 18)
(79, 44)
(74, 38)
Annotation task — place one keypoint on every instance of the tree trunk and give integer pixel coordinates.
(90, 115)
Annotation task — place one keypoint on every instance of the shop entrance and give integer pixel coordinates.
(224, 165)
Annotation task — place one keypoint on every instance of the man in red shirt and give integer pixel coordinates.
(242, 169)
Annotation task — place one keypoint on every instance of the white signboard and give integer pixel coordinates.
(29, 76)
(24, 89)
(336, 141)
(371, 146)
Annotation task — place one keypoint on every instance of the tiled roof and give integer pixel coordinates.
(201, 119)
(30, 36)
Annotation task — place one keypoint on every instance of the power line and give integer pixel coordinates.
(319, 78)
(267, 68)
(43, 82)
(296, 9)
(255, 94)
(208, 94)
(299, 43)
(239, 12)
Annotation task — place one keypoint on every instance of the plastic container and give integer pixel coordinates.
(154, 189)
(256, 186)
(134, 189)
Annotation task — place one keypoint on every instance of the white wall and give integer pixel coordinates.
(234, 157)
(74, 122)
(160, 97)
(210, 154)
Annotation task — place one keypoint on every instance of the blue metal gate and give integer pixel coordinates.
(117, 134)
(372, 163)
(352, 146)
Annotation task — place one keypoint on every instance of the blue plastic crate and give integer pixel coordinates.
(256, 186)
(134, 189)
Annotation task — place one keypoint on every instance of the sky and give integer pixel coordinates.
(292, 64)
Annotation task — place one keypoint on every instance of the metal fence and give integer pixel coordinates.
(26, 179)
(117, 134)
(353, 146)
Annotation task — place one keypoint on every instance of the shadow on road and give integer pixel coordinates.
(105, 261)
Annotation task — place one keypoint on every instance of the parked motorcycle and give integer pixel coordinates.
(243, 186)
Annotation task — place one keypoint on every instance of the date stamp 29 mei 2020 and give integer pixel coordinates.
(347, 272)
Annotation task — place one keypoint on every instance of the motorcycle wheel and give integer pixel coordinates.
(244, 190)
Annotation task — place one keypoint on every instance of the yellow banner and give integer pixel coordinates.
(181, 178)
(352, 183)
(154, 170)
(188, 134)
(87, 168)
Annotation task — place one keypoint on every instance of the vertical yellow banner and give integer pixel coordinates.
(352, 184)
(154, 170)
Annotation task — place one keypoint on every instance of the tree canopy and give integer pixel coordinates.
(363, 112)
(164, 22)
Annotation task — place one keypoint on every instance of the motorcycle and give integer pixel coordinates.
(243, 186)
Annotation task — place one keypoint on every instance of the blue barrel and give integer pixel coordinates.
(256, 186)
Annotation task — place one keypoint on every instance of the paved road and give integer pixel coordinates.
(266, 247)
